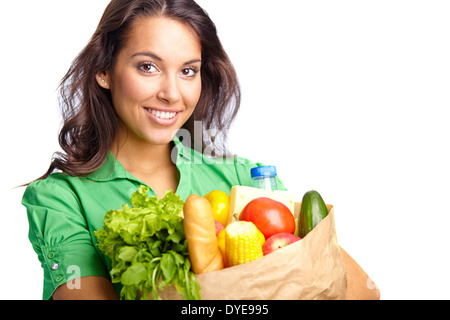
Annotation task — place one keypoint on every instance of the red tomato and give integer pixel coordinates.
(269, 216)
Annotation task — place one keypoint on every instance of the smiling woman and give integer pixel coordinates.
(90, 115)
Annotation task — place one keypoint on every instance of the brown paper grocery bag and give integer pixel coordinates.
(311, 268)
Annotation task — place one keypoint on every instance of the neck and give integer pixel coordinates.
(140, 156)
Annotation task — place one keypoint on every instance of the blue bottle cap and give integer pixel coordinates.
(263, 171)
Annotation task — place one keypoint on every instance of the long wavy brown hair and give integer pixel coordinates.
(89, 119)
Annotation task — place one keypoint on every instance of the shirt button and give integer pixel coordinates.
(55, 266)
(58, 278)
(51, 255)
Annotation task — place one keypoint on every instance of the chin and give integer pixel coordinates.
(163, 138)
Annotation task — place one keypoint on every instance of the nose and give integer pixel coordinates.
(169, 91)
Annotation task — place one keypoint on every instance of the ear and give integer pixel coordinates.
(103, 80)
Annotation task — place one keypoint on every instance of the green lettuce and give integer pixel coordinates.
(147, 247)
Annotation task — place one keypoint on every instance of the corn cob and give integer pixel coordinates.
(242, 243)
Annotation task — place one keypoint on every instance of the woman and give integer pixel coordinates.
(152, 69)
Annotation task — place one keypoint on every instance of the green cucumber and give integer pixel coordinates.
(312, 211)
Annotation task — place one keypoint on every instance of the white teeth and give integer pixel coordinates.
(162, 114)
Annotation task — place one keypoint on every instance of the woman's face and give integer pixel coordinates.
(155, 83)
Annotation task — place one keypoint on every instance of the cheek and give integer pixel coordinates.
(128, 89)
(193, 94)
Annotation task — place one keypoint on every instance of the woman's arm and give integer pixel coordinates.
(359, 285)
(89, 288)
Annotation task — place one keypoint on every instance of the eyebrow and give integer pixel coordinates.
(154, 56)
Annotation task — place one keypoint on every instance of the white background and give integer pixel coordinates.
(345, 97)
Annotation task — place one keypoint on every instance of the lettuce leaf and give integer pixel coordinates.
(147, 247)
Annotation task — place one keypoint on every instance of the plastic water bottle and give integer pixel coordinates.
(264, 177)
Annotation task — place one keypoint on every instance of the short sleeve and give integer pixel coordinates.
(59, 235)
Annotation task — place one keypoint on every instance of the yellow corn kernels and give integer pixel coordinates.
(242, 243)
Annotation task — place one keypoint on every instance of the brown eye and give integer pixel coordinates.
(189, 72)
(148, 67)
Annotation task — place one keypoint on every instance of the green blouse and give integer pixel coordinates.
(64, 211)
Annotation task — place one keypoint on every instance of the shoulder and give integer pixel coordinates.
(234, 169)
(187, 155)
(55, 188)
(232, 164)
(53, 181)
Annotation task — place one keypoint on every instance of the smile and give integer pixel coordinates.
(162, 114)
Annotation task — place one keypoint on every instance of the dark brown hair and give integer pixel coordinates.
(90, 122)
